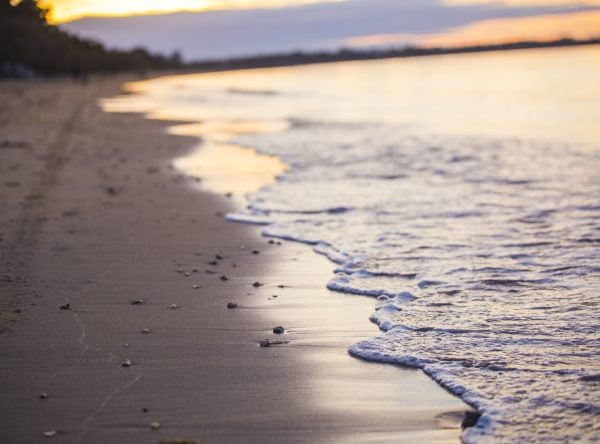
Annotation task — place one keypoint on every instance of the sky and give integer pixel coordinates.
(202, 29)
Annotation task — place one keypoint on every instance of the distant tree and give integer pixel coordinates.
(30, 45)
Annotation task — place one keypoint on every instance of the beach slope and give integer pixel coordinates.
(115, 275)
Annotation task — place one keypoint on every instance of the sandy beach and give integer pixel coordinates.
(110, 257)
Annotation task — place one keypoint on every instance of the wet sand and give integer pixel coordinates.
(94, 217)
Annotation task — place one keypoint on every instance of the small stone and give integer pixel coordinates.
(255, 252)
(270, 343)
(271, 241)
(43, 395)
(232, 305)
(257, 284)
(187, 274)
(195, 287)
(145, 410)
(155, 425)
(470, 419)
(224, 278)
(174, 307)
(218, 257)
(178, 441)
(278, 330)
(137, 302)
(281, 286)
(213, 263)
(146, 330)
(125, 345)
(126, 363)
(17, 310)
(278, 243)
(50, 433)
(65, 307)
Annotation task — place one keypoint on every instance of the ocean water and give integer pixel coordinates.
(462, 193)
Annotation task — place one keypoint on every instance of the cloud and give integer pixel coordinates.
(225, 33)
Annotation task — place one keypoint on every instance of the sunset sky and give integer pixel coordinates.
(242, 27)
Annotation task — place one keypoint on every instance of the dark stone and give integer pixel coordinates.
(232, 305)
(224, 278)
(137, 302)
(65, 307)
(255, 252)
(278, 330)
(470, 419)
(257, 284)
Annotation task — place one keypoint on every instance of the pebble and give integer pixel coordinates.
(278, 330)
(155, 425)
(145, 410)
(126, 363)
(65, 307)
(195, 287)
(218, 257)
(137, 302)
(257, 284)
(187, 274)
(270, 343)
(17, 310)
(271, 241)
(470, 419)
(43, 395)
(232, 305)
(174, 307)
(255, 252)
(224, 278)
(146, 330)
(178, 441)
(50, 433)
(213, 263)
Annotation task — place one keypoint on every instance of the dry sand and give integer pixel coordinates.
(92, 216)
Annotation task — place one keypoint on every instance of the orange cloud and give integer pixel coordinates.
(580, 25)
(67, 10)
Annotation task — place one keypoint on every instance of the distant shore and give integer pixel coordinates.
(116, 275)
(343, 55)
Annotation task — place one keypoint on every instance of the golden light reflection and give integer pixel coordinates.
(227, 168)
(226, 129)
(68, 10)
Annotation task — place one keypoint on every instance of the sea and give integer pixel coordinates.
(460, 192)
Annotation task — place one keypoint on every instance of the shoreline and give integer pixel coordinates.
(96, 218)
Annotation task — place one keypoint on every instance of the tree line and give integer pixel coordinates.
(30, 46)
